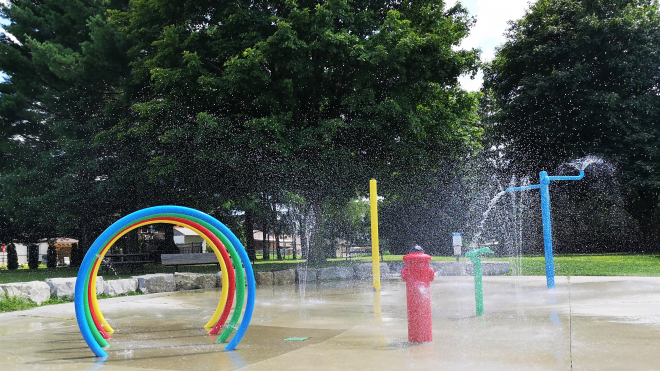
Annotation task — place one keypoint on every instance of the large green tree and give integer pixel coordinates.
(66, 76)
(246, 98)
(201, 102)
(582, 77)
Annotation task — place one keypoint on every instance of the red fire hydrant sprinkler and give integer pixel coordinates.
(418, 276)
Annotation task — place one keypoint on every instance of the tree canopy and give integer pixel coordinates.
(312, 97)
(115, 105)
(582, 77)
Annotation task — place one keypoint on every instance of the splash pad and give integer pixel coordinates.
(228, 249)
(607, 323)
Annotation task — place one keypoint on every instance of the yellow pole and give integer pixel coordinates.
(375, 254)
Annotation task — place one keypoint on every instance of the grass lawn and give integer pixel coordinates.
(571, 265)
(10, 304)
(595, 265)
(577, 265)
(565, 265)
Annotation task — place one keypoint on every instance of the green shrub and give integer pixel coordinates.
(51, 256)
(76, 255)
(33, 256)
(12, 257)
(12, 303)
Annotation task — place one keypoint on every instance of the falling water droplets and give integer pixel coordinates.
(480, 228)
(582, 163)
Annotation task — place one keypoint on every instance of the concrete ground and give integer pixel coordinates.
(589, 323)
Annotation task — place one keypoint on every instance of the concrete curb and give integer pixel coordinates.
(39, 292)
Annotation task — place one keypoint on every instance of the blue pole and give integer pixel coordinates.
(544, 187)
(547, 229)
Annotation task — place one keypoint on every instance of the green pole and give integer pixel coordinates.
(478, 286)
(478, 273)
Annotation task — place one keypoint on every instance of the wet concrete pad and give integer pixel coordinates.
(586, 323)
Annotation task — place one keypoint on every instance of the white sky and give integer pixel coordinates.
(5, 22)
(492, 17)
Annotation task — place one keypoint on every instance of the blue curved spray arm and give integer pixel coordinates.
(563, 177)
(523, 188)
(537, 186)
(544, 181)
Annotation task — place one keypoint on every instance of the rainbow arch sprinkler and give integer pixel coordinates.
(228, 249)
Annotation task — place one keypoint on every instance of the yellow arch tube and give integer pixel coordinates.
(225, 282)
(225, 276)
(223, 267)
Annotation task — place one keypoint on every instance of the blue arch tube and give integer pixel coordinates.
(141, 214)
(235, 259)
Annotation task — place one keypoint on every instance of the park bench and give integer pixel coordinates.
(126, 260)
(351, 252)
(188, 259)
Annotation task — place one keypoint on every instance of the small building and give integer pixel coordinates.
(286, 243)
(188, 241)
(63, 247)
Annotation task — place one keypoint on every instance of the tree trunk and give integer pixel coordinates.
(170, 246)
(304, 244)
(132, 243)
(278, 248)
(249, 236)
(315, 253)
(266, 246)
(85, 241)
(293, 242)
(643, 208)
